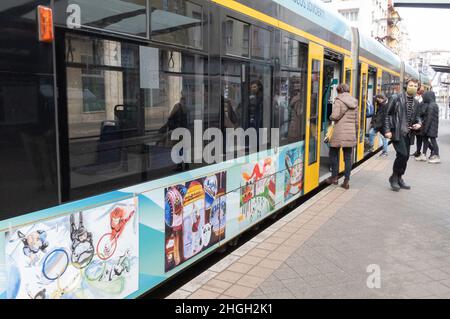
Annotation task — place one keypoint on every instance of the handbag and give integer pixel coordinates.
(330, 133)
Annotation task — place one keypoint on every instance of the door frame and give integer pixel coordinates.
(316, 52)
(362, 110)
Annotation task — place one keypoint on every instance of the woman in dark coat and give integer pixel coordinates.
(431, 127)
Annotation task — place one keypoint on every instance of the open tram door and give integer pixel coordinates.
(348, 79)
(376, 143)
(313, 116)
(362, 111)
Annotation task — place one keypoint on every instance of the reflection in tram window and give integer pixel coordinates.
(124, 16)
(260, 43)
(177, 22)
(237, 37)
(123, 103)
(289, 113)
(246, 89)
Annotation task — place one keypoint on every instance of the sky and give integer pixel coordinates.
(429, 29)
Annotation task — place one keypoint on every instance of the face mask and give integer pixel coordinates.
(411, 91)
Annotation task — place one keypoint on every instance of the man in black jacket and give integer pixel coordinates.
(401, 121)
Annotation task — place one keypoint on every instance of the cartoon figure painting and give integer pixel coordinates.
(82, 246)
(33, 244)
(108, 243)
(57, 258)
(258, 189)
(293, 172)
(190, 218)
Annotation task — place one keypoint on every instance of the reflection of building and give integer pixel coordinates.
(368, 16)
(377, 18)
(424, 60)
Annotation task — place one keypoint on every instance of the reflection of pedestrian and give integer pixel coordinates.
(256, 104)
(230, 119)
(295, 116)
(178, 118)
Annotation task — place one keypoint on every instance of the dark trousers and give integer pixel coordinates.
(402, 147)
(419, 144)
(334, 158)
(431, 143)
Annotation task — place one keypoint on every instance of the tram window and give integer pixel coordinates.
(260, 43)
(237, 37)
(124, 16)
(177, 22)
(290, 107)
(246, 89)
(145, 94)
(314, 116)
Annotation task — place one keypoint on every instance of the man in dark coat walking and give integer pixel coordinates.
(401, 121)
(431, 127)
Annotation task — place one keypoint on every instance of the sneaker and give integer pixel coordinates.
(434, 160)
(384, 154)
(421, 158)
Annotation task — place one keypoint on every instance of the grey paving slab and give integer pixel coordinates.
(407, 234)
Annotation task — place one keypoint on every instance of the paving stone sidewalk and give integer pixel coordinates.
(323, 249)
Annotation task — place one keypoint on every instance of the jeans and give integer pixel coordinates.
(372, 134)
(402, 147)
(434, 147)
(334, 158)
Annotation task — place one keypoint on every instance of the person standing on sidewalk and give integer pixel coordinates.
(431, 128)
(401, 121)
(345, 117)
(377, 123)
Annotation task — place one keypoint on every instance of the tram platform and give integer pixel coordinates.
(324, 248)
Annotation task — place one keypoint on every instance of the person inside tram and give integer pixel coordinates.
(345, 117)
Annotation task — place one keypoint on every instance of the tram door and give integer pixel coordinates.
(376, 143)
(313, 116)
(348, 79)
(362, 111)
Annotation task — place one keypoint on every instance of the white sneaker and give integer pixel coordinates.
(434, 160)
(421, 158)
